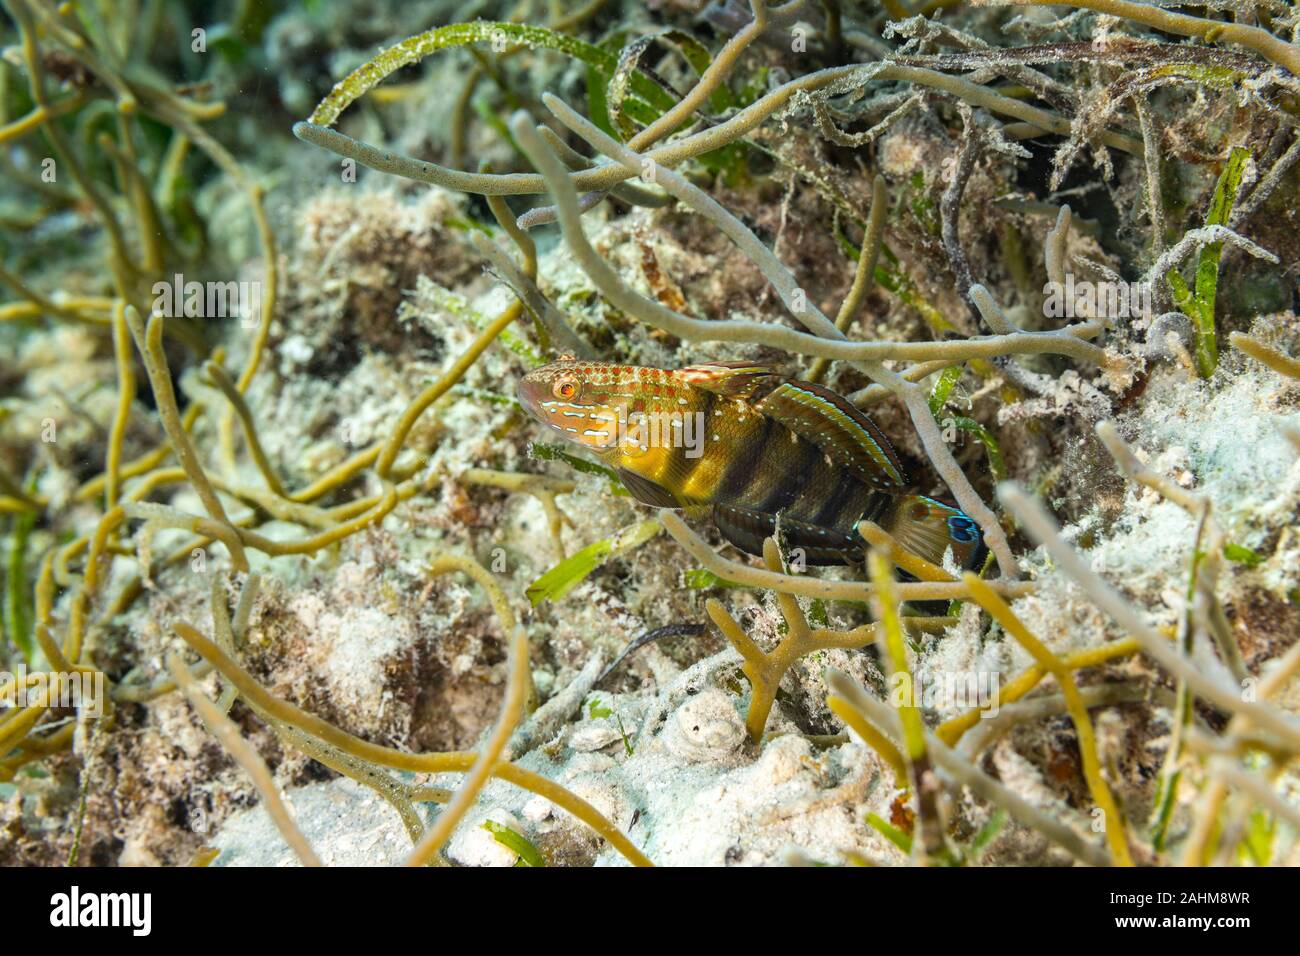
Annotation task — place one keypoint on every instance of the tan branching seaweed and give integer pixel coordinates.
(1212, 687)
(886, 722)
(765, 669)
(646, 142)
(824, 588)
(512, 710)
(1277, 50)
(450, 762)
(1000, 612)
(1261, 352)
(225, 731)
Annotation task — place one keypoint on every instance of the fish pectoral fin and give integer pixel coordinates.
(839, 428)
(646, 491)
(728, 379)
(928, 528)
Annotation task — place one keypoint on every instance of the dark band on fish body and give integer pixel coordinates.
(743, 474)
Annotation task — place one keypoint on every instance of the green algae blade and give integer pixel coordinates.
(701, 579)
(1198, 303)
(374, 71)
(569, 573)
(943, 388)
(513, 841)
(996, 464)
(890, 833)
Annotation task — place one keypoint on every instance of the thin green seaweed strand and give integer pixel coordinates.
(1199, 303)
(413, 49)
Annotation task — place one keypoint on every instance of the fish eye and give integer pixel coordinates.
(565, 388)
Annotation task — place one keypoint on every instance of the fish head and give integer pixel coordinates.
(599, 404)
(574, 399)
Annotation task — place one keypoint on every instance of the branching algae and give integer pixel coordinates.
(886, 177)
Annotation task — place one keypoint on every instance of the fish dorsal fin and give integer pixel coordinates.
(728, 379)
(838, 428)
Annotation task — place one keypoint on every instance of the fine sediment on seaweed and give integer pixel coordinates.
(393, 573)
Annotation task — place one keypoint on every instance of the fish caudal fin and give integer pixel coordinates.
(928, 528)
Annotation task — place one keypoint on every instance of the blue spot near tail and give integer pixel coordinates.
(962, 528)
